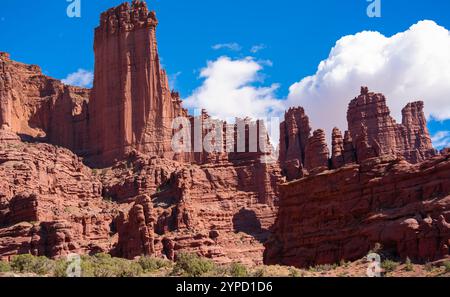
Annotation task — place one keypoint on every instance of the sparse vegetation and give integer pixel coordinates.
(238, 270)
(4, 266)
(192, 265)
(30, 264)
(389, 265)
(152, 264)
(428, 267)
(408, 265)
(446, 265)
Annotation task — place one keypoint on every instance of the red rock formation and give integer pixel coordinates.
(341, 215)
(219, 210)
(131, 105)
(371, 125)
(316, 152)
(136, 230)
(37, 106)
(294, 134)
(338, 151)
(50, 204)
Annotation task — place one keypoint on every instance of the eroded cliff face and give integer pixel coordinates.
(50, 204)
(384, 184)
(343, 214)
(144, 198)
(34, 105)
(131, 105)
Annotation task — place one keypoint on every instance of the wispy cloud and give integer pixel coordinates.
(173, 79)
(441, 139)
(233, 46)
(81, 78)
(257, 48)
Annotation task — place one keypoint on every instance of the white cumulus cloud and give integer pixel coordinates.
(81, 78)
(411, 65)
(229, 90)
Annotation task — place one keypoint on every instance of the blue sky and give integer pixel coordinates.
(296, 34)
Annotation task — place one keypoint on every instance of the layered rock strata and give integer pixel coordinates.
(343, 214)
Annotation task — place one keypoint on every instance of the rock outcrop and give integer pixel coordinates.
(382, 186)
(50, 204)
(34, 105)
(294, 134)
(372, 132)
(131, 106)
(372, 128)
(343, 214)
(218, 210)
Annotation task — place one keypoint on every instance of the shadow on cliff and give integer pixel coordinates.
(246, 221)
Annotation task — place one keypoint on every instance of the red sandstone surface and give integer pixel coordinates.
(380, 182)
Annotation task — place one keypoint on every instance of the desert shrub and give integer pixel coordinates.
(238, 270)
(60, 269)
(446, 265)
(428, 267)
(260, 272)
(408, 265)
(151, 264)
(30, 264)
(389, 265)
(103, 265)
(192, 265)
(4, 266)
(294, 272)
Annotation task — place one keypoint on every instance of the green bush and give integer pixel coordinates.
(30, 264)
(151, 264)
(238, 270)
(446, 265)
(4, 266)
(294, 272)
(408, 265)
(60, 269)
(193, 266)
(103, 265)
(389, 265)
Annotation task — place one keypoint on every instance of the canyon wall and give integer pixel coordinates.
(383, 184)
(343, 214)
(36, 106)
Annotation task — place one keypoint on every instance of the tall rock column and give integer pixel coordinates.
(294, 134)
(419, 146)
(131, 105)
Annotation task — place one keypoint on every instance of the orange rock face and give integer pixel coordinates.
(343, 214)
(50, 204)
(36, 106)
(381, 185)
(131, 105)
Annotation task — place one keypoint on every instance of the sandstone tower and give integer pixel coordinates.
(131, 106)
